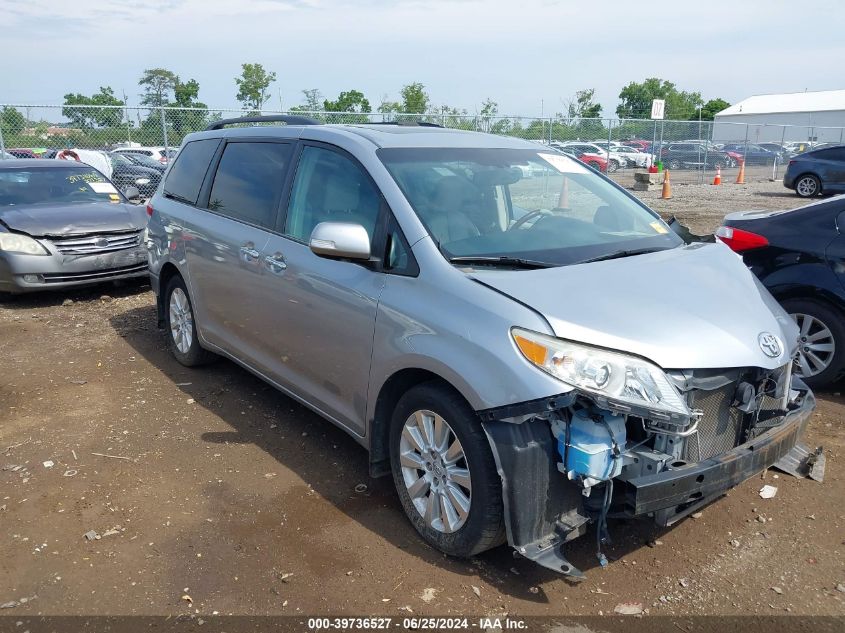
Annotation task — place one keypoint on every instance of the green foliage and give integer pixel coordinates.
(349, 101)
(157, 83)
(252, 86)
(712, 108)
(415, 99)
(313, 101)
(583, 106)
(12, 121)
(93, 117)
(636, 100)
(489, 109)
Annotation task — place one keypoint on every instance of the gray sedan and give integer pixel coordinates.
(64, 224)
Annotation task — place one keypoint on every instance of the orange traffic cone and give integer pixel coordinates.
(563, 200)
(718, 179)
(667, 186)
(740, 177)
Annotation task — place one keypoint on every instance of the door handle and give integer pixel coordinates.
(249, 253)
(276, 263)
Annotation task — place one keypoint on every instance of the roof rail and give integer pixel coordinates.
(267, 118)
(407, 123)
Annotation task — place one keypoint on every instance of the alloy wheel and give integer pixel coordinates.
(816, 345)
(435, 471)
(806, 187)
(181, 320)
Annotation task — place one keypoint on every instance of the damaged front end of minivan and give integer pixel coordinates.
(631, 439)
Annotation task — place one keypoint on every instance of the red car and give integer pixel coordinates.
(596, 161)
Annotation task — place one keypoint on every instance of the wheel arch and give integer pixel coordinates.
(399, 383)
(168, 271)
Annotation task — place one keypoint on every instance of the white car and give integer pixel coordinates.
(614, 159)
(161, 154)
(634, 156)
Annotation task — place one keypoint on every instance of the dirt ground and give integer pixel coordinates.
(213, 493)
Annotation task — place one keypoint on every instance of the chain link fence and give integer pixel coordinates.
(692, 150)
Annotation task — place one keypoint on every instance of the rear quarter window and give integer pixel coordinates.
(185, 178)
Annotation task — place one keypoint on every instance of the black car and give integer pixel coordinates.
(815, 172)
(144, 161)
(126, 173)
(678, 155)
(799, 256)
(754, 154)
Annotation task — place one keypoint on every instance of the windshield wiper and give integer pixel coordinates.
(620, 254)
(516, 262)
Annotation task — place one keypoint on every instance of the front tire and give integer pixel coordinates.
(181, 326)
(444, 471)
(821, 351)
(612, 166)
(674, 164)
(808, 186)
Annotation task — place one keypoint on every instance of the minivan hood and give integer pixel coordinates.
(692, 307)
(72, 219)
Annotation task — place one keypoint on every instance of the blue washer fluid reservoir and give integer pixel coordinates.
(590, 445)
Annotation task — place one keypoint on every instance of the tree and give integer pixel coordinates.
(89, 117)
(582, 105)
(415, 100)
(313, 101)
(186, 95)
(349, 101)
(636, 100)
(387, 106)
(12, 121)
(252, 86)
(710, 109)
(157, 84)
(489, 109)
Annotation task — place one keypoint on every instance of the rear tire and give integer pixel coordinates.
(181, 326)
(434, 431)
(807, 186)
(674, 164)
(612, 166)
(823, 326)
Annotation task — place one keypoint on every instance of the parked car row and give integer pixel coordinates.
(345, 265)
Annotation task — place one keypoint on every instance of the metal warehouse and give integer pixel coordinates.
(797, 116)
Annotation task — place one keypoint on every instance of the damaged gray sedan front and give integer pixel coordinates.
(526, 348)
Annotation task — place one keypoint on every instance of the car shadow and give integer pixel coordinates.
(306, 444)
(50, 298)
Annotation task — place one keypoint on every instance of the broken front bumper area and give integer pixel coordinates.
(675, 493)
(544, 510)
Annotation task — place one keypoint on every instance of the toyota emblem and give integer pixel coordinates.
(770, 344)
(101, 242)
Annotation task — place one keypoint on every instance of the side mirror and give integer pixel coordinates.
(341, 240)
(132, 194)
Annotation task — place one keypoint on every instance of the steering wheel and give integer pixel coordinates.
(534, 214)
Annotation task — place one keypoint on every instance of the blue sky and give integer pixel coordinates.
(526, 54)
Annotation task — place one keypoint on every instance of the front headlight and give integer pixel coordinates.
(631, 382)
(142, 181)
(17, 243)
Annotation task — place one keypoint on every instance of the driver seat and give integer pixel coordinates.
(446, 220)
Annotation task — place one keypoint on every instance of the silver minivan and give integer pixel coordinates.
(524, 346)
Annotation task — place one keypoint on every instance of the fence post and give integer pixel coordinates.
(609, 130)
(745, 147)
(2, 144)
(782, 139)
(164, 133)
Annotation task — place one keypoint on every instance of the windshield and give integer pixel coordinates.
(527, 204)
(46, 185)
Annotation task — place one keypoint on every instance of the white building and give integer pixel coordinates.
(796, 116)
